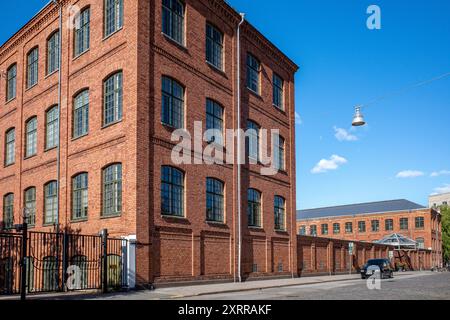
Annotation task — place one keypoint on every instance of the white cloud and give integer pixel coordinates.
(325, 165)
(440, 173)
(443, 189)
(344, 135)
(298, 119)
(409, 174)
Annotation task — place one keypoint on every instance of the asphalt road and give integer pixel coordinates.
(420, 286)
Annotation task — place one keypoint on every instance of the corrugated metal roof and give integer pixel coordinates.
(358, 209)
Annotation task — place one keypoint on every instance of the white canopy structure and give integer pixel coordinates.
(399, 241)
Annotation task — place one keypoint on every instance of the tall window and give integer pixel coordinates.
(324, 229)
(348, 227)
(53, 53)
(313, 230)
(278, 85)
(280, 213)
(254, 208)
(420, 222)
(51, 128)
(112, 190)
(173, 20)
(81, 114)
(253, 70)
(420, 243)
(172, 191)
(214, 46)
(30, 204)
(172, 103)
(361, 226)
(10, 146)
(11, 82)
(336, 228)
(8, 211)
(302, 231)
(252, 140)
(389, 225)
(31, 137)
(214, 200)
(375, 225)
(82, 32)
(32, 67)
(113, 16)
(279, 152)
(214, 121)
(113, 96)
(403, 223)
(50, 202)
(80, 196)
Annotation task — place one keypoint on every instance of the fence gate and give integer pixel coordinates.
(61, 262)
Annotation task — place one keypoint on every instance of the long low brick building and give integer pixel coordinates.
(370, 222)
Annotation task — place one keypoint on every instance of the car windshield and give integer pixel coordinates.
(375, 262)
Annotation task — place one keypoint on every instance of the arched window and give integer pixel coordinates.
(254, 208)
(31, 137)
(112, 190)
(53, 53)
(30, 205)
(32, 67)
(11, 82)
(214, 46)
(214, 200)
(214, 121)
(51, 128)
(113, 16)
(113, 98)
(82, 32)
(10, 146)
(172, 191)
(280, 213)
(173, 20)
(81, 114)
(80, 196)
(172, 103)
(50, 202)
(252, 136)
(8, 211)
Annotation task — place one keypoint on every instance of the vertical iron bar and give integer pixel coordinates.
(23, 274)
(105, 260)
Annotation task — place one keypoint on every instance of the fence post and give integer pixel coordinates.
(65, 261)
(23, 270)
(105, 260)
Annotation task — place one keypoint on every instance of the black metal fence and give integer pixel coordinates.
(58, 262)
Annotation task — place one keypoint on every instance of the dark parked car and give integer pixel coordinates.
(372, 265)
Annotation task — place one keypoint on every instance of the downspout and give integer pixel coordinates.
(58, 156)
(239, 195)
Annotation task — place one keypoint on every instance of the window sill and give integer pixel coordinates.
(50, 149)
(256, 228)
(216, 69)
(168, 216)
(216, 223)
(79, 137)
(10, 100)
(9, 165)
(112, 34)
(111, 216)
(79, 220)
(281, 109)
(175, 42)
(170, 127)
(80, 54)
(281, 230)
(48, 224)
(51, 73)
(30, 156)
(254, 93)
(31, 87)
(105, 126)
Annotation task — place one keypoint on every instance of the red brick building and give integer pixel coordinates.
(132, 72)
(369, 222)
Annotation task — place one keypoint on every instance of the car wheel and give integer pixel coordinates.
(391, 275)
(363, 277)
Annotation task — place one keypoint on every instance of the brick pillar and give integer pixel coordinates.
(330, 260)
(197, 256)
(343, 258)
(313, 257)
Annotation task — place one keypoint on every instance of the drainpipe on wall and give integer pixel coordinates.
(239, 195)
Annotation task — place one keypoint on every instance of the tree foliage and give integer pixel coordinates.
(445, 212)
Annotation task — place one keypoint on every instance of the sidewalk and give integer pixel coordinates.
(199, 290)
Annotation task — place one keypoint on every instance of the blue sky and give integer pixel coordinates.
(342, 64)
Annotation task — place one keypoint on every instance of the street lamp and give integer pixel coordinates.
(358, 119)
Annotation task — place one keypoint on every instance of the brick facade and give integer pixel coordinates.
(430, 232)
(169, 248)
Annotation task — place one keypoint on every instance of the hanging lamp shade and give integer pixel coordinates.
(358, 119)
